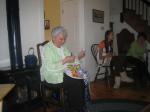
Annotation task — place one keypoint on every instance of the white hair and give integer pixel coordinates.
(59, 30)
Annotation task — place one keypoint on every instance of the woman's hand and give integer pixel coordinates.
(81, 54)
(68, 59)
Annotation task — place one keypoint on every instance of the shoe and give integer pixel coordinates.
(117, 82)
(125, 78)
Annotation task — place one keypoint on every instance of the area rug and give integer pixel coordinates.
(115, 105)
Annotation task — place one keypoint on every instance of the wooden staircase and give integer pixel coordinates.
(135, 14)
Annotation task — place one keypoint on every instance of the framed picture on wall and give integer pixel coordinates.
(98, 16)
(47, 24)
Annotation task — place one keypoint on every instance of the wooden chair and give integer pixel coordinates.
(47, 86)
(95, 50)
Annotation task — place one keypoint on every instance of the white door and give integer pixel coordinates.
(70, 20)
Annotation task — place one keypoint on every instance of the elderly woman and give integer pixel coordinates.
(55, 58)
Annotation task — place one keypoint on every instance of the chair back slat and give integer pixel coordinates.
(39, 51)
(94, 50)
(40, 55)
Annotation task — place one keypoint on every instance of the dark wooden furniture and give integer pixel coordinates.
(25, 80)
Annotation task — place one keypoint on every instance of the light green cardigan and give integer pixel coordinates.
(137, 51)
(52, 69)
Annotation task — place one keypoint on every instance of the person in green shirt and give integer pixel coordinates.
(54, 60)
(135, 56)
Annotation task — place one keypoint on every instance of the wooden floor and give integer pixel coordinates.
(99, 90)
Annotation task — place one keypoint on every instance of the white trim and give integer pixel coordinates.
(81, 26)
(5, 63)
(41, 10)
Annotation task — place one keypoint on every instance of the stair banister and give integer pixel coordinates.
(141, 7)
(146, 13)
(124, 5)
(139, 11)
(132, 6)
(128, 4)
(143, 10)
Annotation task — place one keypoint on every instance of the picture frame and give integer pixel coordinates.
(47, 24)
(98, 16)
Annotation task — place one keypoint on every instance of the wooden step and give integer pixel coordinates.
(135, 21)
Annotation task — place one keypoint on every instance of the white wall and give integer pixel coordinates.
(31, 23)
(94, 32)
(4, 50)
(31, 26)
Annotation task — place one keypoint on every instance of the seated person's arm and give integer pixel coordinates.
(52, 61)
(68, 59)
(81, 54)
(134, 52)
(103, 54)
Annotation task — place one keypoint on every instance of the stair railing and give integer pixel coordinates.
(139, 6)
